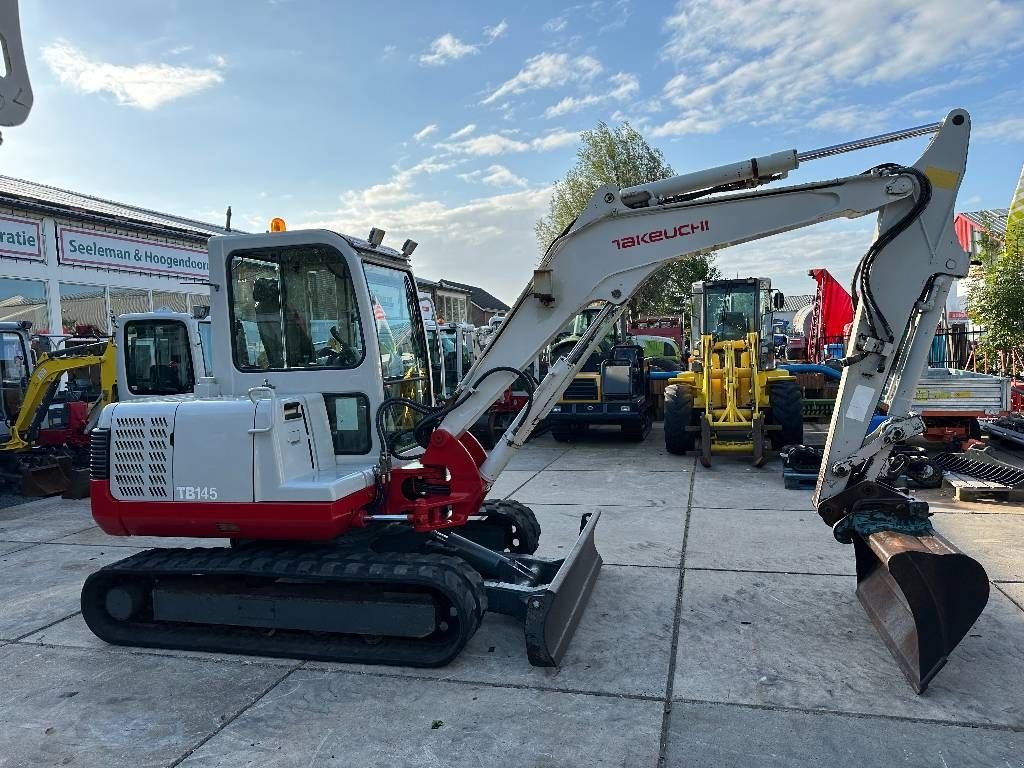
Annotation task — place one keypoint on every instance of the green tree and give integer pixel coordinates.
(996, 301)
(621, 156)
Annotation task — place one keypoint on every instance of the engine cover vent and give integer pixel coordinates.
(140, 452)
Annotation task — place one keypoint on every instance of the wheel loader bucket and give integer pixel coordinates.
(922, 595)
(553, 612)
(43, 480)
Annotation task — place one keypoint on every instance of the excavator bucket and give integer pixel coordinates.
(43, 479)
(922, 595)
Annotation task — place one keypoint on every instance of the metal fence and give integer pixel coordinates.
(963, 350)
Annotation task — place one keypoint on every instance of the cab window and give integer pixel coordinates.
(402, 347)
(14, 364)
(158, 357)
(293, 308)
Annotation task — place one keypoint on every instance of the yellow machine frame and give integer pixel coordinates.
(47, 373)
(732, 391)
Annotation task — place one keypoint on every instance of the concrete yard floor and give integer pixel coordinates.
(723, 631)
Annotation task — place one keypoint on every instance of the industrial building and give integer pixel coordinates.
(69, 261)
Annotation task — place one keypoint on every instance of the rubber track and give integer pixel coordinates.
(460, 586)
(982, 470)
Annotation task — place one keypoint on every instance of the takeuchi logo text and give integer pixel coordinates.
(657, 235)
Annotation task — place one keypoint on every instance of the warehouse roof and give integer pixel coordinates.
(18, 191)
(992, 221)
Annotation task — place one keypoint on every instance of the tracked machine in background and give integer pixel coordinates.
(733, 399)
(357, 512)
(50, 400)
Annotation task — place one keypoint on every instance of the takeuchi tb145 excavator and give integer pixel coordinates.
(357, 512)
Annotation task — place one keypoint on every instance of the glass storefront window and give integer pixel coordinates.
(176, 302)
(24, 300)
(83, 308)
(125, 300)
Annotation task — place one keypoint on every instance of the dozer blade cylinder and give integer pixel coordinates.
(922, 594)
(552, 613)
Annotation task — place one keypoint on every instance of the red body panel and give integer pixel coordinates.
(301, 521)
(450, 467)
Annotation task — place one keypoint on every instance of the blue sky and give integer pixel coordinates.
(447, 122)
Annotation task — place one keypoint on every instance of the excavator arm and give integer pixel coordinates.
(15, 89)
(921, 593)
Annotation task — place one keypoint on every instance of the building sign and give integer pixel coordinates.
(96, 249)
(21, 238)
(956, 301)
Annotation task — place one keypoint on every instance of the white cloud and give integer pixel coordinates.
(218, 60)
(425, 131)
(487, 144)
(623, 85)
(388, 51)
(448, 47)
(554, 140)
(1007, 129)
(491, 144)
(487, 241)
(557, 24)
(836, 245)
(546, 70)
(146, 86)
(496, 176)
(463, 132)
(498, 30)
(792, 61)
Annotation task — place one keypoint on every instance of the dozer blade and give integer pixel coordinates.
(553, 612)
(922, 595)
(43, 480)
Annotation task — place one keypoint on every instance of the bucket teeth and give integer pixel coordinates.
(922, 594)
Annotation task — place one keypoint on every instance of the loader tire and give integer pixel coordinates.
(787, 412)
(564, 431)
(678, 416)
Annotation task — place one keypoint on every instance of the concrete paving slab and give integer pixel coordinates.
(320, 718)
(619, 488)
(652, 456)
(14, 546)
(732, 483)
(765, 540)
(725, 736)
(73, 632)
(996, 541)
(1015, 593)
(73, 707)
(95, 537)
(536, 457)
(44, 520)
(621, 645)
(43, 584)
(510, 481)
(650, 536)
(804, 641)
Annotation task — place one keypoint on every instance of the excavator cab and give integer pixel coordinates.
(733, 399)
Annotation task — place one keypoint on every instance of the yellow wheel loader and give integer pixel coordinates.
(733, 399)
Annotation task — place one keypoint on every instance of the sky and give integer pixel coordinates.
(448, 122)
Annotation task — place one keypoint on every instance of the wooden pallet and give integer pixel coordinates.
(967, 488)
